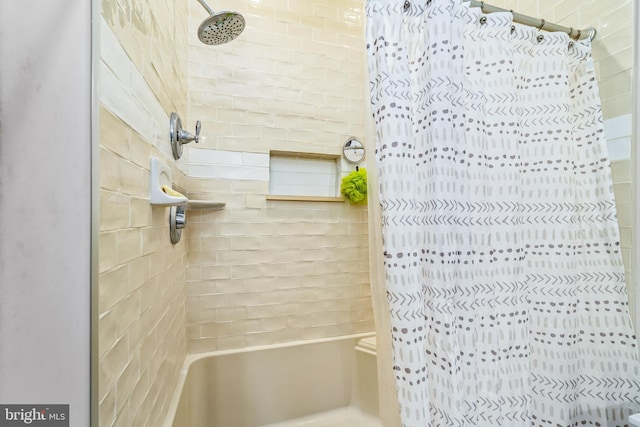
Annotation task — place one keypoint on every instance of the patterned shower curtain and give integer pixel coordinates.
(503, 268)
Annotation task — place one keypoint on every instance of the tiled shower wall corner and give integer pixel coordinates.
(264, 271)
(613, 57)
(142, 341)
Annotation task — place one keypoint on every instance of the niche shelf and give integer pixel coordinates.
(304, 198)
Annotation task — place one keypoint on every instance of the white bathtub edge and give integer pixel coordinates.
(175, 399)
(192, 358)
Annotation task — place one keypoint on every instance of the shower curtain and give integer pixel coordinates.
(502, 265)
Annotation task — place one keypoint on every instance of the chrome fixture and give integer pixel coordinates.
(353, 151)
(220, 27)
(541, 24)
(179, 136)
(177, 221)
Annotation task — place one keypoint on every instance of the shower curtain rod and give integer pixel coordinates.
(540, 24)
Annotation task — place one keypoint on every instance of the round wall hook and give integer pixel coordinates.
(353, 150)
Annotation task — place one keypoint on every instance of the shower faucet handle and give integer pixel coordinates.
(179, 137)
(198, 126)
(181, 219)
(185, 137)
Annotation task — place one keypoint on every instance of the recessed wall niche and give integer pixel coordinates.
(304, 176)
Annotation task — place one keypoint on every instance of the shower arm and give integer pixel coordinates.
(206, 6)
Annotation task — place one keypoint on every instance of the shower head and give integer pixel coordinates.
(220, 27)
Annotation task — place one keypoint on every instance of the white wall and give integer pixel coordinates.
(45, 171)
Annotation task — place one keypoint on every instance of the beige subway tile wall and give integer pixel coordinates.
(264, 271)
(142, 341)
(613, 57)
(154, 36)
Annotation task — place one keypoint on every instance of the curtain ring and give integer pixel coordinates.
(513, 29)
(540, 38)
(407, 5)
(542, 24)
(571, 44)
(483, 20)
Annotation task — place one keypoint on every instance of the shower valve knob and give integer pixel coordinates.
(198, 126)
(186, 137)
(177, 221)
(181, 220)
(179, 137)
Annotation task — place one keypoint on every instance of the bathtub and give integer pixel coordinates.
(272, 384)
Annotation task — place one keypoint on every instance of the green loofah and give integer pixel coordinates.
(354, 186)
